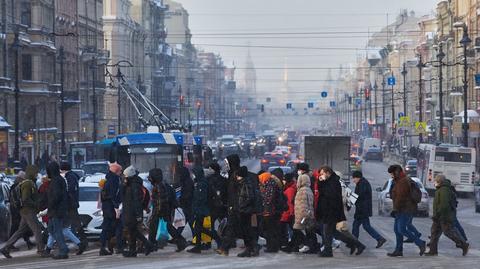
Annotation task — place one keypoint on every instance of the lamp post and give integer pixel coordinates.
(375, 89)
(16, 49)
(420, 95)
(404, 74)
(61, 59)
(94, 101)
(384, 123)
(465, 41)
(440, 57)
(199, 105)
(393, 111)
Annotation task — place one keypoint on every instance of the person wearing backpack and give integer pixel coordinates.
(271, 211)
(73, 202)
(404, 206)
(26, 199)
(444, 207)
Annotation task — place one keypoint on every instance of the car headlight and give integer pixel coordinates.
(98, 213)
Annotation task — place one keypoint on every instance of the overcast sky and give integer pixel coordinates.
(310, 24)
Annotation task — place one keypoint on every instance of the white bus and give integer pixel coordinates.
(456, 163)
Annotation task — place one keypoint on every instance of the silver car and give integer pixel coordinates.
(385, 203)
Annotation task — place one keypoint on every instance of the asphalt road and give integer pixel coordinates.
(449, 256)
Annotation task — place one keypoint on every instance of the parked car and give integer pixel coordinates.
(411, 168)
(5, 216)
(94, 171)
(385, 202)
(285, 169)
(269, 160)
(373, 154)
(293, 164)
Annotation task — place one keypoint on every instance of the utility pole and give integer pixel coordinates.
(420, 96)
(119, 101)
(405, 114)
(16, 48)
(393, 112)
(384, 123)
(440, 57)
(94, 102)
(465, 41)
(375, 89)
(61, 59)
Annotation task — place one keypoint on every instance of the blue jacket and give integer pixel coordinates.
(111, 195)
(200, 193)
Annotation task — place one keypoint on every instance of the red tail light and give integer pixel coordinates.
(286, 155)
(430, 176)
(264, 161)
(282, 161)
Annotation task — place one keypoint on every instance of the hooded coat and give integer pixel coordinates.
(402, 201)
(268, 189)
(303, 203)
(363, 206)
(111, 194)
(56, 193)
(186, 184)
(133, 201)
(200, 193)
(290, 191)
(443, 203)
(330, 203)
(217, 186)
(232, 184)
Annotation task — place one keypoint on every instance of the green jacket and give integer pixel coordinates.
(29, 194)
(443, 208)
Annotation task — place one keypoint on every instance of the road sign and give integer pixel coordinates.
(420, 127)
(477, 79)
(111, 129)
(358, 101)
(310, 104)
(324, 94)
(333, 104)
(400, 131)
(400, 114)
(404, 122)
(391, 81)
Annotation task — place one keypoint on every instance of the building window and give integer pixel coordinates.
(25, 13)
(26, 67)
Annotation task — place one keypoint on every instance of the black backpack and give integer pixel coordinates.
(415, 192)
(216, 195)
(453, 198)
(16, 197)
(281, 201)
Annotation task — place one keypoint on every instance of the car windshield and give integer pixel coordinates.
(88, 194)
(91, 169)
(412, 163)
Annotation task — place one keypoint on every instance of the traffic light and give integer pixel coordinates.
(182, 99)
(349, 100)
(367, 94)
(289, 105)
(262, 108)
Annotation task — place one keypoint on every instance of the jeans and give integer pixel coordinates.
(67, 233)
(401, 229)
(460, 229)
(55, 228)
(111, 227)
(412, 228)
(366, 226)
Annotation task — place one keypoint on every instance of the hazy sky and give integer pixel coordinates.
(320, 27)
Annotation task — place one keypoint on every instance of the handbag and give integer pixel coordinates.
(162, 231)
(207, 224)
(179, 218)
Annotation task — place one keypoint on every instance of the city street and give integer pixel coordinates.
(449, 256)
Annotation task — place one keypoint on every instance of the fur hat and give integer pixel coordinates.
(130, 171)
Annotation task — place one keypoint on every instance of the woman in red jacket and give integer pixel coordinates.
(288, 217)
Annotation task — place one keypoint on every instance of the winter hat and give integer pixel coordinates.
(261, 172)
(303, 167)
(242, 172)
(115, 168)
(289, 177)
(278, 172)
(264, 177)
(357, 174)
(65, 166)
(130, 171)
(155, 175)
(31, 172)
(214, 166)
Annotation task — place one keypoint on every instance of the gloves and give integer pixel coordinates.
(393, 214)
(117, 213)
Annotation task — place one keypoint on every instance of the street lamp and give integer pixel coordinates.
(420, 95)
(440, 57)
(61, 59)
(16, 48)
(465, 41)
(199, 105)
(404, 74)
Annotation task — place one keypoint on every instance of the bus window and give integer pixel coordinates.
(456, 157)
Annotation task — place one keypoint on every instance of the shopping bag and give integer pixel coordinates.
(222, 227)
(179, 218)
(162, 231)
(207, 224)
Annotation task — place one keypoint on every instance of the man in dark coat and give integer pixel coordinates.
(217, 192)
(200, 209)
(363, 209)
(164, 203)
(57, 208)
(330, 211)
(133, 212)
(403, 209)
(73, 202)
(111, 197)
(186, 196)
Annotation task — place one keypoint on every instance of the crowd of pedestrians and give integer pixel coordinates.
(290, 211)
